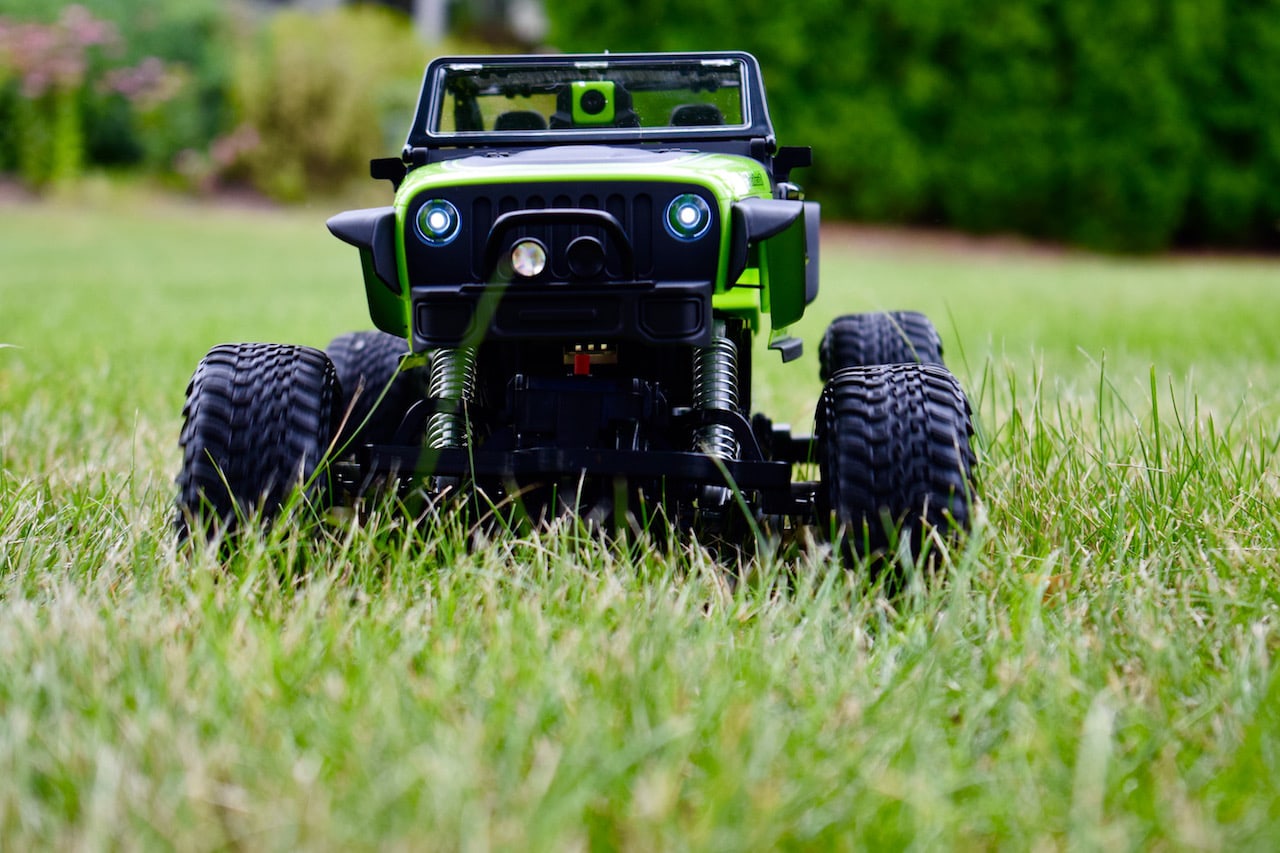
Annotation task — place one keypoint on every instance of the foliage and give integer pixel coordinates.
(47, 67)
(1096, 669)
(1124, 126)
(318, 92)
(131, 83)
(291, 103)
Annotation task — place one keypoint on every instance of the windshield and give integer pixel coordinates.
(568, 96)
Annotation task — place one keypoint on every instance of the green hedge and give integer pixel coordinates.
(292, 103)
(321, 94)
(102, 127)
(1131, 125)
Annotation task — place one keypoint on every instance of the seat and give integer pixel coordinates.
(696, 115)
(466, 115)
(520, 120)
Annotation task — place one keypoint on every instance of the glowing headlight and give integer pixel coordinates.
(688, 217)
(438, 222)
(528, 258)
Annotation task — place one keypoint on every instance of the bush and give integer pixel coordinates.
(290, 103)
(1121, 126)
(1225, 58)
(130, 83)
(313, 94)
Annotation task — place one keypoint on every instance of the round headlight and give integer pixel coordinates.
(528, 258)
(688, 217)
(438, 222)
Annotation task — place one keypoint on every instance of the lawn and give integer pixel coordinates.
(1094, 668)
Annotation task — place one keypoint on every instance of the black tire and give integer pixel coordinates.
(258, 421)
(895, 456)
(863, 340)
(368, 362)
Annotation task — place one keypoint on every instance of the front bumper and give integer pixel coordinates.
(652, 312)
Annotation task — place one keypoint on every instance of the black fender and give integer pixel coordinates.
(372, 230)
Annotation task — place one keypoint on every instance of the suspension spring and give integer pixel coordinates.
(453, 377)
(715, 387)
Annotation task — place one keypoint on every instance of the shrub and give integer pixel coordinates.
(1225, 60)
(1117, 125)
(46, 67)
(314, 90)
(129, 84)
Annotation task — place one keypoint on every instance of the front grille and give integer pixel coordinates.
(633, 209)
(638, 206)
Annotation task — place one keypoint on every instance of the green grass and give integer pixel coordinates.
(1096, 668)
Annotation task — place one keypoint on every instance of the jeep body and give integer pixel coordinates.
(579, 252)
(578, 256)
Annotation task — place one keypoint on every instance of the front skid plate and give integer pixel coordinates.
(770, 480)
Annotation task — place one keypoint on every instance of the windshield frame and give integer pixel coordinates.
(433, 100)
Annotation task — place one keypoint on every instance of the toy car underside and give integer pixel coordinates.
(566, 287)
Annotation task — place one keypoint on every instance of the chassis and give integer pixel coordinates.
(579, 254)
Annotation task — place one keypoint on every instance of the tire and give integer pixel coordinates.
(863, 340)
(895, 457)
(368, 362)
(257, 423)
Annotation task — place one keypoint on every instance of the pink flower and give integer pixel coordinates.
(147, 84)
(85, 30)
(53, 56)
(227, 149)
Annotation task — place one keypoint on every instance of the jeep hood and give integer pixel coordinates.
(730, 176)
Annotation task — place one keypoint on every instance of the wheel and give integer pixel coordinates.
(367, 363)
(258, 421)
(894, 456)
(861, 340)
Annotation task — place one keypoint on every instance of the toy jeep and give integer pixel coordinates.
(580, 252)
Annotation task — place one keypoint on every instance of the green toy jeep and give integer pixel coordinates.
(566, 289)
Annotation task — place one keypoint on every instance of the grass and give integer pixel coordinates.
(1095, 669)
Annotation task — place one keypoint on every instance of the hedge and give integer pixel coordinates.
(291, 103)
(321, 93)
(180, 48)
(1124, 126)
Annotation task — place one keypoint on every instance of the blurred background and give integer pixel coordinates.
(1134, 126)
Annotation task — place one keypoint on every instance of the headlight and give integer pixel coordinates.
(438, 222)
(528, 258)
(688, 217)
